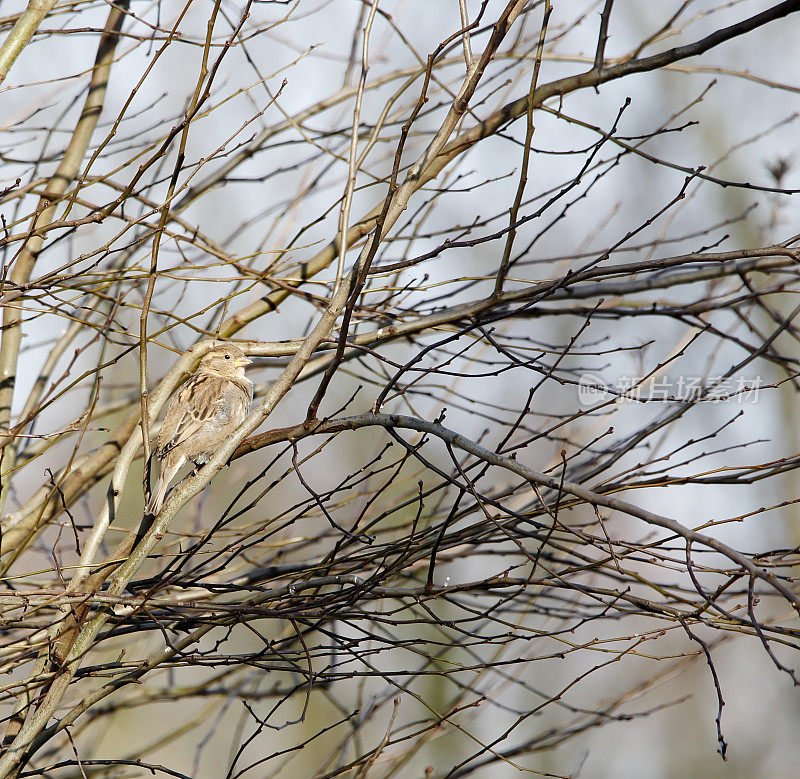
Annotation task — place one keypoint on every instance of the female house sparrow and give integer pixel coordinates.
(206, 410)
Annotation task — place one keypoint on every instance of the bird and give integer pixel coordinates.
(201, 415)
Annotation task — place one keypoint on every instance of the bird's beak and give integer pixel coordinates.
(242, 361)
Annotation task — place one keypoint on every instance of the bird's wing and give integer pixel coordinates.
(193, 406)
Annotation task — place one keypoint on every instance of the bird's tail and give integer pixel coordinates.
(169, 468)
(157, 497)
(152, 508)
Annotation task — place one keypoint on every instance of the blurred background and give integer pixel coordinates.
(559, 675)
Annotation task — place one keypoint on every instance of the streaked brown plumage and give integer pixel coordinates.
(205, 411)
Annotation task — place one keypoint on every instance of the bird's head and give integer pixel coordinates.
(226, 359)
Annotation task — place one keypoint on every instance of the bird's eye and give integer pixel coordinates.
(227, 357)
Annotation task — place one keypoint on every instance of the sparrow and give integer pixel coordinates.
(206, 410)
